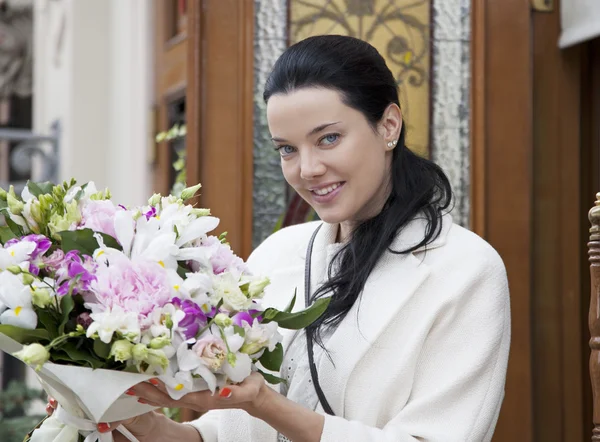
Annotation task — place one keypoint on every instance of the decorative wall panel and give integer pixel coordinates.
(399, 29)
(450, 145)
(270, 189)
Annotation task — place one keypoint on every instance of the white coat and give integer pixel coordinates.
(421, 357)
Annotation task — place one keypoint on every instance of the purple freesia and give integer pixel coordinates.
(242, 317)
(53, 262)
(150, 213)
(42, 245)
(75, 273)
(194, 317)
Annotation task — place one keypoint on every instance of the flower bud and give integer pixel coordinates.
(84, 320)
(154, 200)
(257, 288)
(139, 352)
(201, 212)
(33, 354)
(36, 212)
(159, 342)
(28, 278)
(223, 320)
(189, 192)
(122, 350)
(14, 205)
(40, 297)
(15, 270)
(157, 357)
(3, 194)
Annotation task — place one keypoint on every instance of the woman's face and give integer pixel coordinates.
(331, 155)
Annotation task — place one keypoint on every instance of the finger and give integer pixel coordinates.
(153, 396)
(157, 383)
(49, 410)
(53, 402)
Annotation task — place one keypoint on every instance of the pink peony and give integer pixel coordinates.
(212, 351)
(222, 257)
(99, 216)
(137, 287)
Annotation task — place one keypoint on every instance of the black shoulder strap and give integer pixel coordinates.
(309, 333)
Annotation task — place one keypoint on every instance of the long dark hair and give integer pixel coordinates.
(359, 73)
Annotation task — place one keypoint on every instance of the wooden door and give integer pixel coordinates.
(219, 113)
(530, 107)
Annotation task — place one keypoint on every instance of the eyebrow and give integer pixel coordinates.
(316, 130)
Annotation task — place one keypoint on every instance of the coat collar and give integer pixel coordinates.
(393, 281)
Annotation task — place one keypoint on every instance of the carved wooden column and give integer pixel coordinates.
(594, 315)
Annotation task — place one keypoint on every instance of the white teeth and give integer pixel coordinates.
(326, 190)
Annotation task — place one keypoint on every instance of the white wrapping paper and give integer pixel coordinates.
(94, 395)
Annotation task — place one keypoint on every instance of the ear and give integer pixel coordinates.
(391, 123)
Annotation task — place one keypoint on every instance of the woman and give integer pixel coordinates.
(414, 345)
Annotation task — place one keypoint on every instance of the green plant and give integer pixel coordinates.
(17, 396)
(174, 133)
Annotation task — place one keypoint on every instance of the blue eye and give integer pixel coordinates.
(330, 139)
(285, 150)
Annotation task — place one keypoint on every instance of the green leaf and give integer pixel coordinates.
(272, 360)
(83, 240)
(24, 336)
(297, 320)
(66, 307)
(239, 330)
(272, 379)
(49, 322)
(6, 234)
(38, 189)
(290, 307)
(181, 271)
(16, 229)
(75, 355)
(101, 349)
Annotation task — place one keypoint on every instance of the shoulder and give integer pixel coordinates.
(466, 267)
(283, 248)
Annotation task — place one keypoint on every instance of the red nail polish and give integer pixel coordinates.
(225, 392)
(103, 427)
(154, 382)
(142, 401)
(53, 402)
(130, 392)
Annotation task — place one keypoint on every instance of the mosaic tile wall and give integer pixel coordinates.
(450, 95)
(270, 40)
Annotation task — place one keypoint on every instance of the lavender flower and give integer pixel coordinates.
(42, 245)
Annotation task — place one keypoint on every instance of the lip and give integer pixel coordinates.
(324, 199)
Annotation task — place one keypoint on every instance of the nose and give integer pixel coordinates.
(311, 165)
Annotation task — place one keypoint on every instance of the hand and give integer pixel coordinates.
(51, 406)
(248, 396)
(141, 426)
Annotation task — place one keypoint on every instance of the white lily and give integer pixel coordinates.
(16, 297)
(108, 322)
(16, 254)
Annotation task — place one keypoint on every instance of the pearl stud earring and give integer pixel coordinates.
(392, 144)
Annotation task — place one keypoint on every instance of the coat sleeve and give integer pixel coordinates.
(208, 426)
(460, 374)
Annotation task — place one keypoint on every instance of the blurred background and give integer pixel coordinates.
(143, 95)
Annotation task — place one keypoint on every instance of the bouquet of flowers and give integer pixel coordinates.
(99, 297)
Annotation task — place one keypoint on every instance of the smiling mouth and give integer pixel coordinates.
(326, 190)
